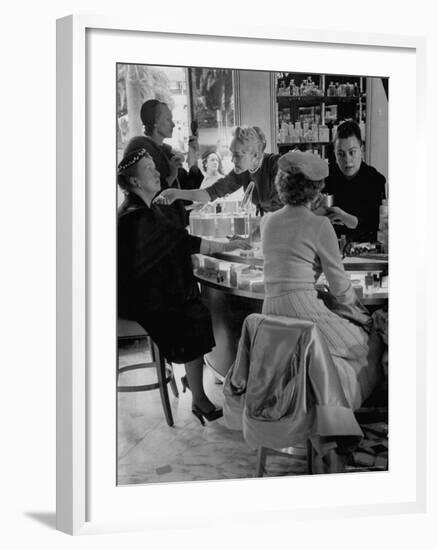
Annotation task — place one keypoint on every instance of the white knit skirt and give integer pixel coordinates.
(355, 352)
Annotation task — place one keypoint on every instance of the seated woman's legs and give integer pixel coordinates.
(202, 408)
(194, 370)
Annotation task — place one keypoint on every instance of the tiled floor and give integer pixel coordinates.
(150, 451)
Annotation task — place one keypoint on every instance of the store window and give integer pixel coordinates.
(203, 96)
(138, 83)
(213, 109)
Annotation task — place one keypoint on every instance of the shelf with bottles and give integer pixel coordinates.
(345, 85)
(319, 87)
(285, 100)
(299, 86)
(294, 143)
(299, 134)
(309, 108)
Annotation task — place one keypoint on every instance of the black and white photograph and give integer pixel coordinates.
(252, 273)
(224, 215)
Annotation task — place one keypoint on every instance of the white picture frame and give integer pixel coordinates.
(86, 501)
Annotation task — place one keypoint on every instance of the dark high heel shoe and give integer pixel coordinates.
(185, 385)
(212, 415)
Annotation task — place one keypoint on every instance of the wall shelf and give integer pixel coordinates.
(315, 108)
(316, 100)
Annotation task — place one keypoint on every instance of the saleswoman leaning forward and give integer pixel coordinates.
(251, 163)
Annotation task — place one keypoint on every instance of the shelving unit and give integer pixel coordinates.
(309, 108)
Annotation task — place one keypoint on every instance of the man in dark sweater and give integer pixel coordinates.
(358, 188)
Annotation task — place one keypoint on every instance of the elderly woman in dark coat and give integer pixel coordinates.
(156, 286)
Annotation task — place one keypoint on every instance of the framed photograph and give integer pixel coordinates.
(120, 465)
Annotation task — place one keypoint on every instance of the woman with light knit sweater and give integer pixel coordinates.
(298, 246)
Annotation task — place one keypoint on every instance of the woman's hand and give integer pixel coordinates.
(167, 196)
(336, 215)
(233, 244)
(339, 216)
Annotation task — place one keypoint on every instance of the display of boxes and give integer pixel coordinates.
(211, 266)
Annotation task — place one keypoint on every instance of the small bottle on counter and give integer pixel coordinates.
(376, 280)
(368, 281)
(233, 276)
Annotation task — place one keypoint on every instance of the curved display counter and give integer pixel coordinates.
(232, 286)
(378, 298)
(370, 262)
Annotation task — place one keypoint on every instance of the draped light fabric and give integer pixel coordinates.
(284, 388)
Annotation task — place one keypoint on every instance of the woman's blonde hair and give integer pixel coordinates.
(252, 138)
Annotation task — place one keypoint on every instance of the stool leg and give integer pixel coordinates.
(261, 462)
(163, 390)
(173, 385)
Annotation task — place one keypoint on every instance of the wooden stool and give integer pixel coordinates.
(130, 330)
